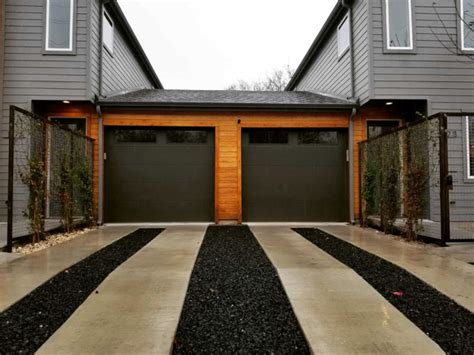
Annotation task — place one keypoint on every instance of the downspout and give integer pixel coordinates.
(101, 46)
(100, 166)
(345, 3)
(100, 133)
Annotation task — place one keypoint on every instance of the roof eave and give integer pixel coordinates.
(230, 107)
(122, 20)
(320, 38)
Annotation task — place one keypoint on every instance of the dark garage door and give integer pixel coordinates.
(294, 175)
(159, 175)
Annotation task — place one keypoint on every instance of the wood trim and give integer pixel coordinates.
(216, 174)
(239, 168)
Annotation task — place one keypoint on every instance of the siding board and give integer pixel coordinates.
(433, 71)
(32, 75)
(330, 74)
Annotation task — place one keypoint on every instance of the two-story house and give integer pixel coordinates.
(397, 58)
(202, 156)
(171, 155)
(52, 51)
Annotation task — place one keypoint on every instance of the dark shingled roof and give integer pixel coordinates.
(226, 99)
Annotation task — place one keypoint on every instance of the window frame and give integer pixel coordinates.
(469, 177)
(464, 50)
(105, 16)
(368, 120)
(386, 29)
(72, 31)
(342, 53)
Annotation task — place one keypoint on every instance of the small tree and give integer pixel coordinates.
(33, 176)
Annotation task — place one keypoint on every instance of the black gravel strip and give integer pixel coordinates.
(28, 323)
(235, 301)
(443, 320)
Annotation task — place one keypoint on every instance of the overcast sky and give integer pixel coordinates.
(210, 44)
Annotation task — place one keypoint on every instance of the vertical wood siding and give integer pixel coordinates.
(228, 193)
(432, 72)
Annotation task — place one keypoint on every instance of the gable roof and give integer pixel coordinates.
(328, 26)
(227, 99)
(114, 9)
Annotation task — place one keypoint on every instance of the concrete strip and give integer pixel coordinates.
(339, 312)
(138, 306)
(433, 265)
(20, 276)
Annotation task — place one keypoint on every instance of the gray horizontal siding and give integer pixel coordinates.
(432, 72)
(122, 70)
(31, 75)
(330, 74)
(361, 50)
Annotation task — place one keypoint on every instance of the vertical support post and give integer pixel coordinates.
(444, 172)
(11, 156)
(44, 151)
(71, 168)
(361, 216)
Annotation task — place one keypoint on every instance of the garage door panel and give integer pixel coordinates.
(159, 181)
(294, 181)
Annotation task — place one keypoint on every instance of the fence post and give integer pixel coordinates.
(444, 172)
(361, 221)
(11, 146)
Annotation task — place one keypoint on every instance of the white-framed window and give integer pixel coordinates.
(108, 32)
(59, 25)
(467, 24)
(343, 36)
(399, 24)
(470, 146)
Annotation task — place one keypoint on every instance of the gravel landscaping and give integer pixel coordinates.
(27, 324)
(51, 240)
(235, 301)
(443, 320)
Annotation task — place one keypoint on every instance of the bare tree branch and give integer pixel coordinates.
(276, 81)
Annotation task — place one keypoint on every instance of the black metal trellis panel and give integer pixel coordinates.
(447, 200)
(52, 145)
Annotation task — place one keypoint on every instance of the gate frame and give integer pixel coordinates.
(446, 183)
(11, 156)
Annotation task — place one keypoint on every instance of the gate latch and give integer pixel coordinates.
(449, 182)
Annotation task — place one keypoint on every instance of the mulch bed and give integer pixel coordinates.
(27, 324)
(235, 301)
(443, 320)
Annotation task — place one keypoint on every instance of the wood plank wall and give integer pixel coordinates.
(228, 182)
(228, 127)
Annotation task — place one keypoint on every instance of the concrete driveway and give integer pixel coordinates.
(138, 306)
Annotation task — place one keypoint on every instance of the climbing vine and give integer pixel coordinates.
(398, 172)
(53, 169)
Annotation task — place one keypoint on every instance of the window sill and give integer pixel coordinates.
(61, 53)
(399, 51)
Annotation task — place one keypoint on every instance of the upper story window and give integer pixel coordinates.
(467, 24)
(343, 36)
(399, 24)
(108, 32)
(59, 36)
(470, 146)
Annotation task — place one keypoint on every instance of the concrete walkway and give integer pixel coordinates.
(138, 306)
(20, 276)
(339, 312)
(433, 265)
